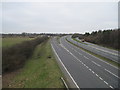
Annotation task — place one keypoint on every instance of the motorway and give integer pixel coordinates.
(86, 70)
(105, 52)
(104, 49)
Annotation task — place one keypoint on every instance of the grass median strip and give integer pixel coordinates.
(79, 41)
(40, 71)
(58, 39)
(102, 58)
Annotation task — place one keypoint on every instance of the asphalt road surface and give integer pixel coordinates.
(110, 54)
(107, 50)
(86, 70)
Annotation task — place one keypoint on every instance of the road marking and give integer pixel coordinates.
(111, 87)
(86, 57)
(100, 78)
(100, 65)
(96, 64)
(96, 75)
(105, 82)
(65, 83)
(112, 73)
(65, 67)
(86, 66)
(76, 51)
(89, 68)
(93, 72)
(97, 58)
(105, 51)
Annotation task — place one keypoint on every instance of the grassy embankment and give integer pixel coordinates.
(102, 58)
(8, 42)
(40, 71)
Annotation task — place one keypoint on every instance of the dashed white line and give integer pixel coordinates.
(111, 87)
(96, 75)
(100, 78)
(84, 64)
(96, 64)
(105, 82)
(93, 72)
(76, 51)
(100, 59)
(86, 57)
(88, 67)
(112, 73)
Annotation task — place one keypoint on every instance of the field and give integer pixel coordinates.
(8, 42)
(40, 71)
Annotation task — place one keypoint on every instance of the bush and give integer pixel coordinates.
(107, 38)
(15, 56)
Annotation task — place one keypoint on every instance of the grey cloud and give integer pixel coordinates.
(58, 17)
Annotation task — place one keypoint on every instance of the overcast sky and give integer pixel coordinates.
(57, 17)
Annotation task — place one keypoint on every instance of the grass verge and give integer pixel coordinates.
(102, 58)
(40, 71)
(79, 41)
(58, 39)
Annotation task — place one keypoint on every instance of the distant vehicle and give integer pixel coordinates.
(82, 40)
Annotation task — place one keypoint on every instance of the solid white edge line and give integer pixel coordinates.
(65, 67)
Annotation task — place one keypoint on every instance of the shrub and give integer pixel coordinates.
(15, 56)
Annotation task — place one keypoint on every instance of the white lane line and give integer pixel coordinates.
(100, 78)
(93, 72)
(65, 67)
(96, 75)
(111, 87)
(76, 51)
(96, 64)
(112, 73)
(88, 67)
(64, 83)
(84, 64)
(105, 82)
(105, 51)
(86, 57)
(97, 58)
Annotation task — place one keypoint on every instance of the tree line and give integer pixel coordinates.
(108, 38)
